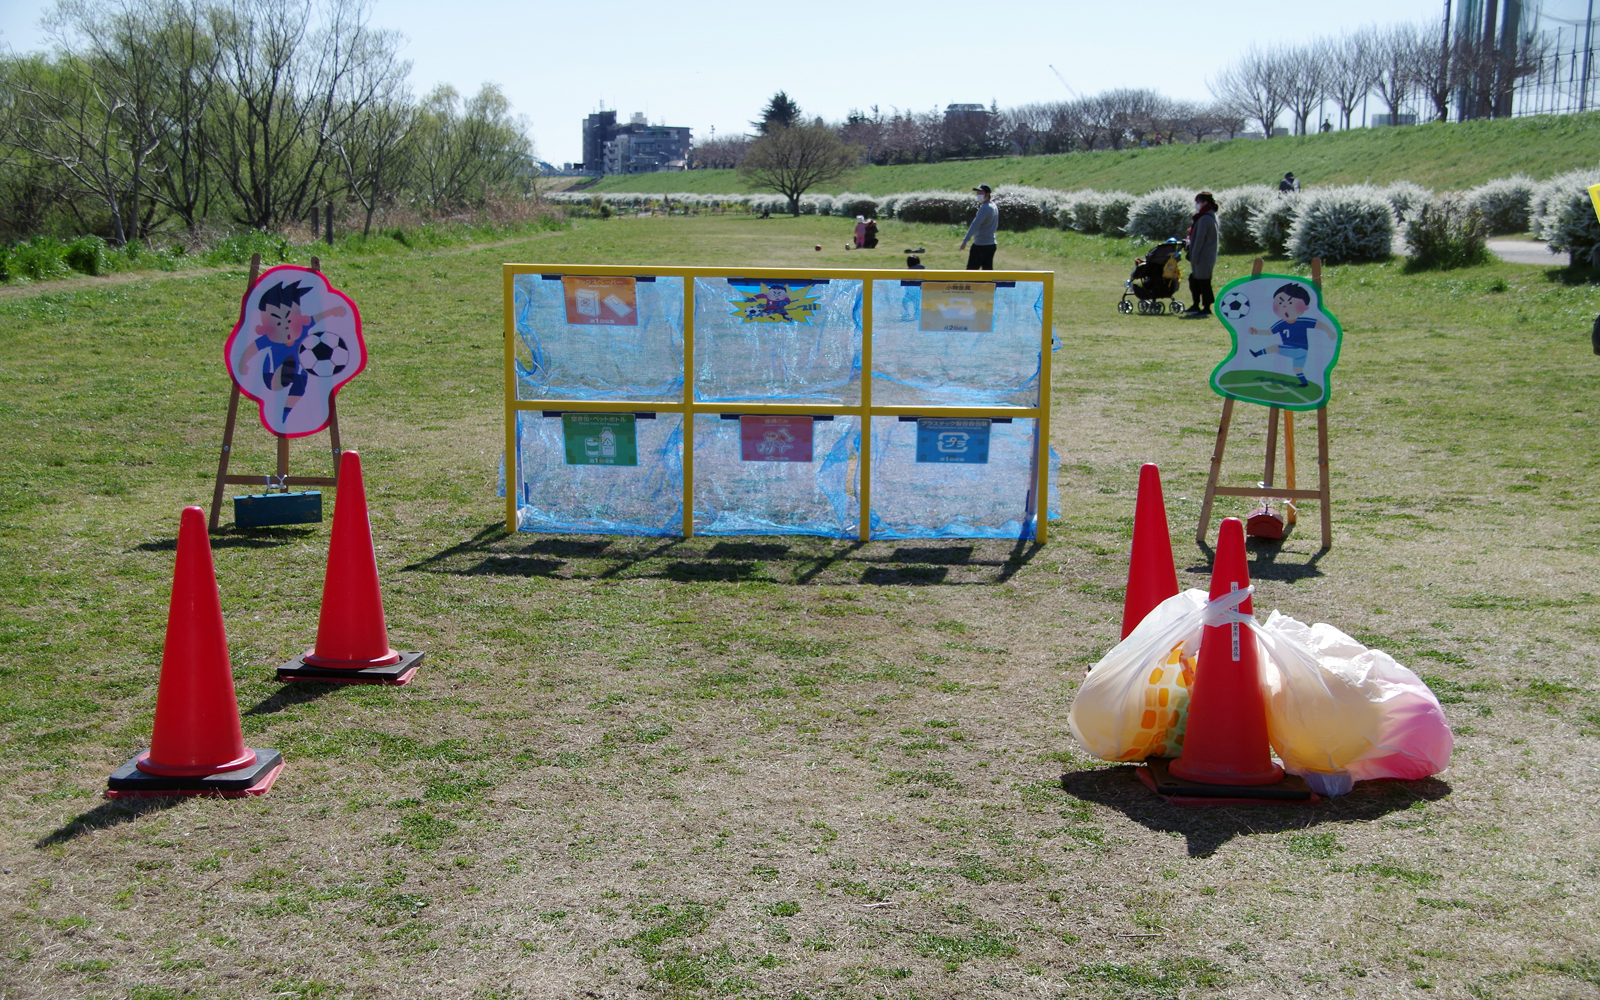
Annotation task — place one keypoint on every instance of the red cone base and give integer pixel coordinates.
(303, 668)
(1291, 791)
(130, 782)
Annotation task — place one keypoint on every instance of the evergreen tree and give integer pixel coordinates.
(780, 112)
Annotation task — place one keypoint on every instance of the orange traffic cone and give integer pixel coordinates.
(1152, 575)
(196, 748)
(352, 637)
(1226, 756)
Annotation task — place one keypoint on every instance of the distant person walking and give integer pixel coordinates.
(981, 233)
(1202, 255)
(1289, 184)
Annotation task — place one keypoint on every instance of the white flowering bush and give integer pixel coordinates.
(1235, 208)
(940, 207)
(1406, 198)
(1504, 203)
(1115, 207)
(816, 204)
(851, 205)
(1161, 214)
(1342, 224)
(1080, 211)
(1566, 219)
(1023, 207)
(1272, 222)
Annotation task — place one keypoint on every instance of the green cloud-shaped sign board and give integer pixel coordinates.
(1285, 343)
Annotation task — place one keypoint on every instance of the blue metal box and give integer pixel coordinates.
(266, 509)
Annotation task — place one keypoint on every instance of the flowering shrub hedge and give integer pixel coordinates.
(1342, 224)
(1161, 215)
(1447, 232)
(1504, 203)
(1235, 208)
(1566, 217)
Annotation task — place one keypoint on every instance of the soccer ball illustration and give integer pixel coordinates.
(323, 354)
(1235, 305)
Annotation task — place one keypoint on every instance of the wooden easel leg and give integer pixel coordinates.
(283, 455)
(227, 454)
(1272, 447)
(1216, 470)
(1323, 480)
(333, 434)
(1288, 461)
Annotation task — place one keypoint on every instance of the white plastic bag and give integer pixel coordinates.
(1337, 712)
(1135, 702)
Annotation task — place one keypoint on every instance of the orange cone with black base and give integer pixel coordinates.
(1226, 757)
(352, 636)
(197, 747)
(1152, 575)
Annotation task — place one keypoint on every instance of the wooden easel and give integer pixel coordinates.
(282, 478)
(1322, 494)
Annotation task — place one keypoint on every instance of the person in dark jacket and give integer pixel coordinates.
(1202, 255)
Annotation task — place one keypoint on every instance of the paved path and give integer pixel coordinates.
(1526, 252)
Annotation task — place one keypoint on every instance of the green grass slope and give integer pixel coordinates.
(1443, 156)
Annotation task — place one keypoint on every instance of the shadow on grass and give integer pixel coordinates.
(1264, 555)
(800, 561)
(1207, 829)
(1571, 275)
(106, 814)
(291, 694)
(237, 538)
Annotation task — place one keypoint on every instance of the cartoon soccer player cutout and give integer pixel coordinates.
(279, 332)
(297, 341)
(1273, 318)
(1289, 304)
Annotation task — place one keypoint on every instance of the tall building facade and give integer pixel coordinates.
(633, 148)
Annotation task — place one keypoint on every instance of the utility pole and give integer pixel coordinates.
(1588, 33)
(1444, 58)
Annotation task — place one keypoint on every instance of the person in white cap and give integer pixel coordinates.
(981, 233)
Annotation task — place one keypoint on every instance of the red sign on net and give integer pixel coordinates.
(775, 439)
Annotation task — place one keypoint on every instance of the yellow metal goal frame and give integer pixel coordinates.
(1038, 504)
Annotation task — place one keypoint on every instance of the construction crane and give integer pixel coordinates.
(1063, 80)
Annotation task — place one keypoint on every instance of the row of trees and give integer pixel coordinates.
(155, 116)
(1402, 66)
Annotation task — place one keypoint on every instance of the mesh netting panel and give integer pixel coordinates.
(736, 497)
(560, 360)
(753, 341)
(912, 367)
(644, 499)
(912, 499)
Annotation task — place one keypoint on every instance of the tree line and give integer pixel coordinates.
(1400, 66)
(153, 117)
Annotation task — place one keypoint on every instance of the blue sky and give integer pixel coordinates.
(713, 64)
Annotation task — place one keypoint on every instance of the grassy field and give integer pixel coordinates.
(1444, 156)
(782, 767)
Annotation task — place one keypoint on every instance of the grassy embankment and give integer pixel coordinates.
(692, 768)
(1443, 156)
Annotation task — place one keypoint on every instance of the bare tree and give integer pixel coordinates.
(297, 76)
(725, 153)
(1255, 86)
(1395, 73)
(375, 152)
(792, 160)
(1305, 80)
(459, 154)
(1352, 71)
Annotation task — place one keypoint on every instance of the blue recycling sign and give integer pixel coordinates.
(963, 440)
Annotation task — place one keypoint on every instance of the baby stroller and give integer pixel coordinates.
(1155, 276)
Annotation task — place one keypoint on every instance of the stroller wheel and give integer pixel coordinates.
(1156, 308)
(1124, 306)
(1176, 307)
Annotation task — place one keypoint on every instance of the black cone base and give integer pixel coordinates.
(298, 669)
(128, 782)
(1292, 790)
